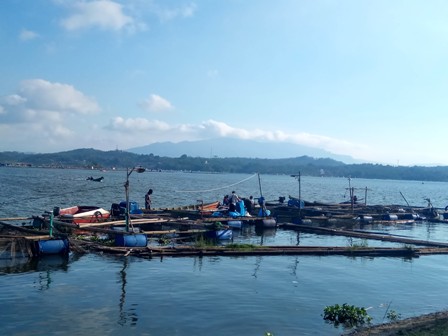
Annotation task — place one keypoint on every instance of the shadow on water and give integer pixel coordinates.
(42, 264)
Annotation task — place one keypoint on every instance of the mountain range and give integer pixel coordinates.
(233, 148)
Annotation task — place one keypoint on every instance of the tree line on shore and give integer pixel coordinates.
(92, 158)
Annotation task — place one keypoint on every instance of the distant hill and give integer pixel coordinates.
(232, 148)
(89, 158)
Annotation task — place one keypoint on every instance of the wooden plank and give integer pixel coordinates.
(14, 218)
(159, 232)
(6, 237)
(36, 237)
(121, 222)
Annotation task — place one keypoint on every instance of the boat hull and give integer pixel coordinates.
(83, 214)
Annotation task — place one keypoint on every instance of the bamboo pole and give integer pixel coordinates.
(122, 222)
(159, 232)
(14, 218)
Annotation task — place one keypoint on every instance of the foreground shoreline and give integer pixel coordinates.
(428, 324)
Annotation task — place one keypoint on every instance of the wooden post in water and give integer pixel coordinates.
(352, 198)
(365, 197)
(300, 197)
(263, 202)
(259, 185)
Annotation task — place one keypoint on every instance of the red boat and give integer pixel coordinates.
(83, 214)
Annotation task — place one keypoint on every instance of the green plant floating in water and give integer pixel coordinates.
(346, 315)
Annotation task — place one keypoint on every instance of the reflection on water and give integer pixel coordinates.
(295, 266)
(43, 264)
(126, 316)
(258, 260)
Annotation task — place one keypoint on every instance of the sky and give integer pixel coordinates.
(364, 78)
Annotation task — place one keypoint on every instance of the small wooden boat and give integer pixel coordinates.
(98, 179)
(82, 214)
(192, 211)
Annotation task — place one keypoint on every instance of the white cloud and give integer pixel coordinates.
(138, 124)
(102, 14)
(144, 131)
(166, 14)
(14, 99)
(42, 95)
(41, 101)
(212, 128)
(27, 35)
(155, 103)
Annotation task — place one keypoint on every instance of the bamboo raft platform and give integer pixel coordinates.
(176, 227)
(191, 251)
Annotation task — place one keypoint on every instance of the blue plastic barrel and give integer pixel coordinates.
(133, 207)
(131, 240)
(237, 224)
(52, 246)
(366, 219)
(390, 217)
(224, 234)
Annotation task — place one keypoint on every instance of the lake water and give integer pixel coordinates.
(285, 295)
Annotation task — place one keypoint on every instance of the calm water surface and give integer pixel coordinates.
(285, 295)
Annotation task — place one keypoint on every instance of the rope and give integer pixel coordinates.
(214, 189)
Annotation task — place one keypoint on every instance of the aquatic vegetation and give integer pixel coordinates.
(393, 316)
(346, 315)
(202, 241)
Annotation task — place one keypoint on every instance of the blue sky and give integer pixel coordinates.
(361, 78)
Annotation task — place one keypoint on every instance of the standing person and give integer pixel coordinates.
(248, 204)
(148, 199)
(234, 199)
(252, 201)
(225, 200)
